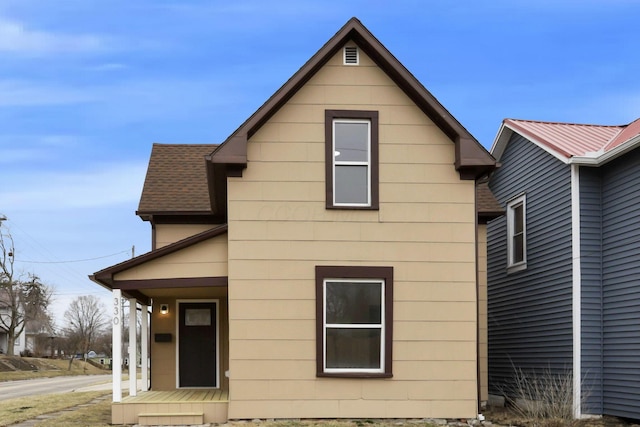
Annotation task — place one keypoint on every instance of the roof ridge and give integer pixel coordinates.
(567, 123)
(174, 144)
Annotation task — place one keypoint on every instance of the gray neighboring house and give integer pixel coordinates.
(564, 260)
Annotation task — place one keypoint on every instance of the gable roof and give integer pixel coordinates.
(105, 277)
(176, 181)
(472, 160)
(571, 142)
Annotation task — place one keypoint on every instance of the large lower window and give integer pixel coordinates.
(352, 159)
(354, 315)
(517, 234)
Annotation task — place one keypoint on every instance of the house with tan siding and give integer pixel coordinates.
(327, 260)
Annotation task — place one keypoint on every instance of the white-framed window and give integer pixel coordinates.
(353, 325)
(517, 233)
(352, 159)
(351, 162)
(354, 308)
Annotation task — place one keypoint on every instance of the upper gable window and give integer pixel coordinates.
(352, 159)
(517, 234)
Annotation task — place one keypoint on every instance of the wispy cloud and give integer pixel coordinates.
(21, 148)
(111, 66)
(103, 185)
(19, 93)
(17, 38)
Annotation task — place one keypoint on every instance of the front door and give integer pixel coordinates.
(197, 345)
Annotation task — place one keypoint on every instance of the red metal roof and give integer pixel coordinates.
(629, 131)
(571, 139)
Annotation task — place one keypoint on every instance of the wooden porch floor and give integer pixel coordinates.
(175, 407)
(178, 396)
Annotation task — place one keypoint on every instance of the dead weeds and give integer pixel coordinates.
(508, 417)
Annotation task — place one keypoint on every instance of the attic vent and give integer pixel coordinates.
(351, 55)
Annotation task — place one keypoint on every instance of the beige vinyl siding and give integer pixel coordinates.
(204, 259)
(165, 234)
(279, 230)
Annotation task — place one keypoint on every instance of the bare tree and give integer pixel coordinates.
(86, 320)
(21, 300)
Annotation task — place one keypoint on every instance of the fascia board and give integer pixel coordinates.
(608, 156)
(500, 142)
(564, 159)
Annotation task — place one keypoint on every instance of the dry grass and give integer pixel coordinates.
(542, 396)
(43, 368)
(513, 417)
(332, 423)
(94, 415)
(25, 408)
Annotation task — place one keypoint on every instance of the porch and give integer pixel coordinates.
(173, 407)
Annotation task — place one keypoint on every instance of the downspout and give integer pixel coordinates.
(576, 290)
(478, 358)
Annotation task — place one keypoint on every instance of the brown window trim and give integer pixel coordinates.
(355, 272)
(329, 116)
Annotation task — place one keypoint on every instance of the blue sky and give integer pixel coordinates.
(87, 86)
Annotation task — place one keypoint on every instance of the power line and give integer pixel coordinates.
(75, 260)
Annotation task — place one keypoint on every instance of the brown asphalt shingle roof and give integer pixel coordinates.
(176, 182)
(176, 179)
(486, 203)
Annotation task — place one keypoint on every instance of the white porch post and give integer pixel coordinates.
(133, 345)
(116, 346)
(144, 346)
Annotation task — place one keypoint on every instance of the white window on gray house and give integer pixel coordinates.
(517, 234)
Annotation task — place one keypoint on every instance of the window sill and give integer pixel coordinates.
(516, 267)
(353, 208)
(354, 375)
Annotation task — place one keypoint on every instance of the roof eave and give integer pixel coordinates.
(607, 156)
(500, 141)
(105, 277)
(149, 215)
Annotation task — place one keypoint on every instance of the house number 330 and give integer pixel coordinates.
(116, 311)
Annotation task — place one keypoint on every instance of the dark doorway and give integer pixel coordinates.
(197, 352)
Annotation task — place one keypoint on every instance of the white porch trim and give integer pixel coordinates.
(144, 346)
(116, 346)
(133, 346)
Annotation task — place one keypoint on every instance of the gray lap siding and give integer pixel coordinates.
(530, 311)
(591, 289)
(621, 285)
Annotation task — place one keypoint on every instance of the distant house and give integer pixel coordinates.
(322, 262)
(564, 262)
(5, 319)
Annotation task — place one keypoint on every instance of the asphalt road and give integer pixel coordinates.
(13, 389)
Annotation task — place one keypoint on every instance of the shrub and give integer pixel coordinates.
(541, 395)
